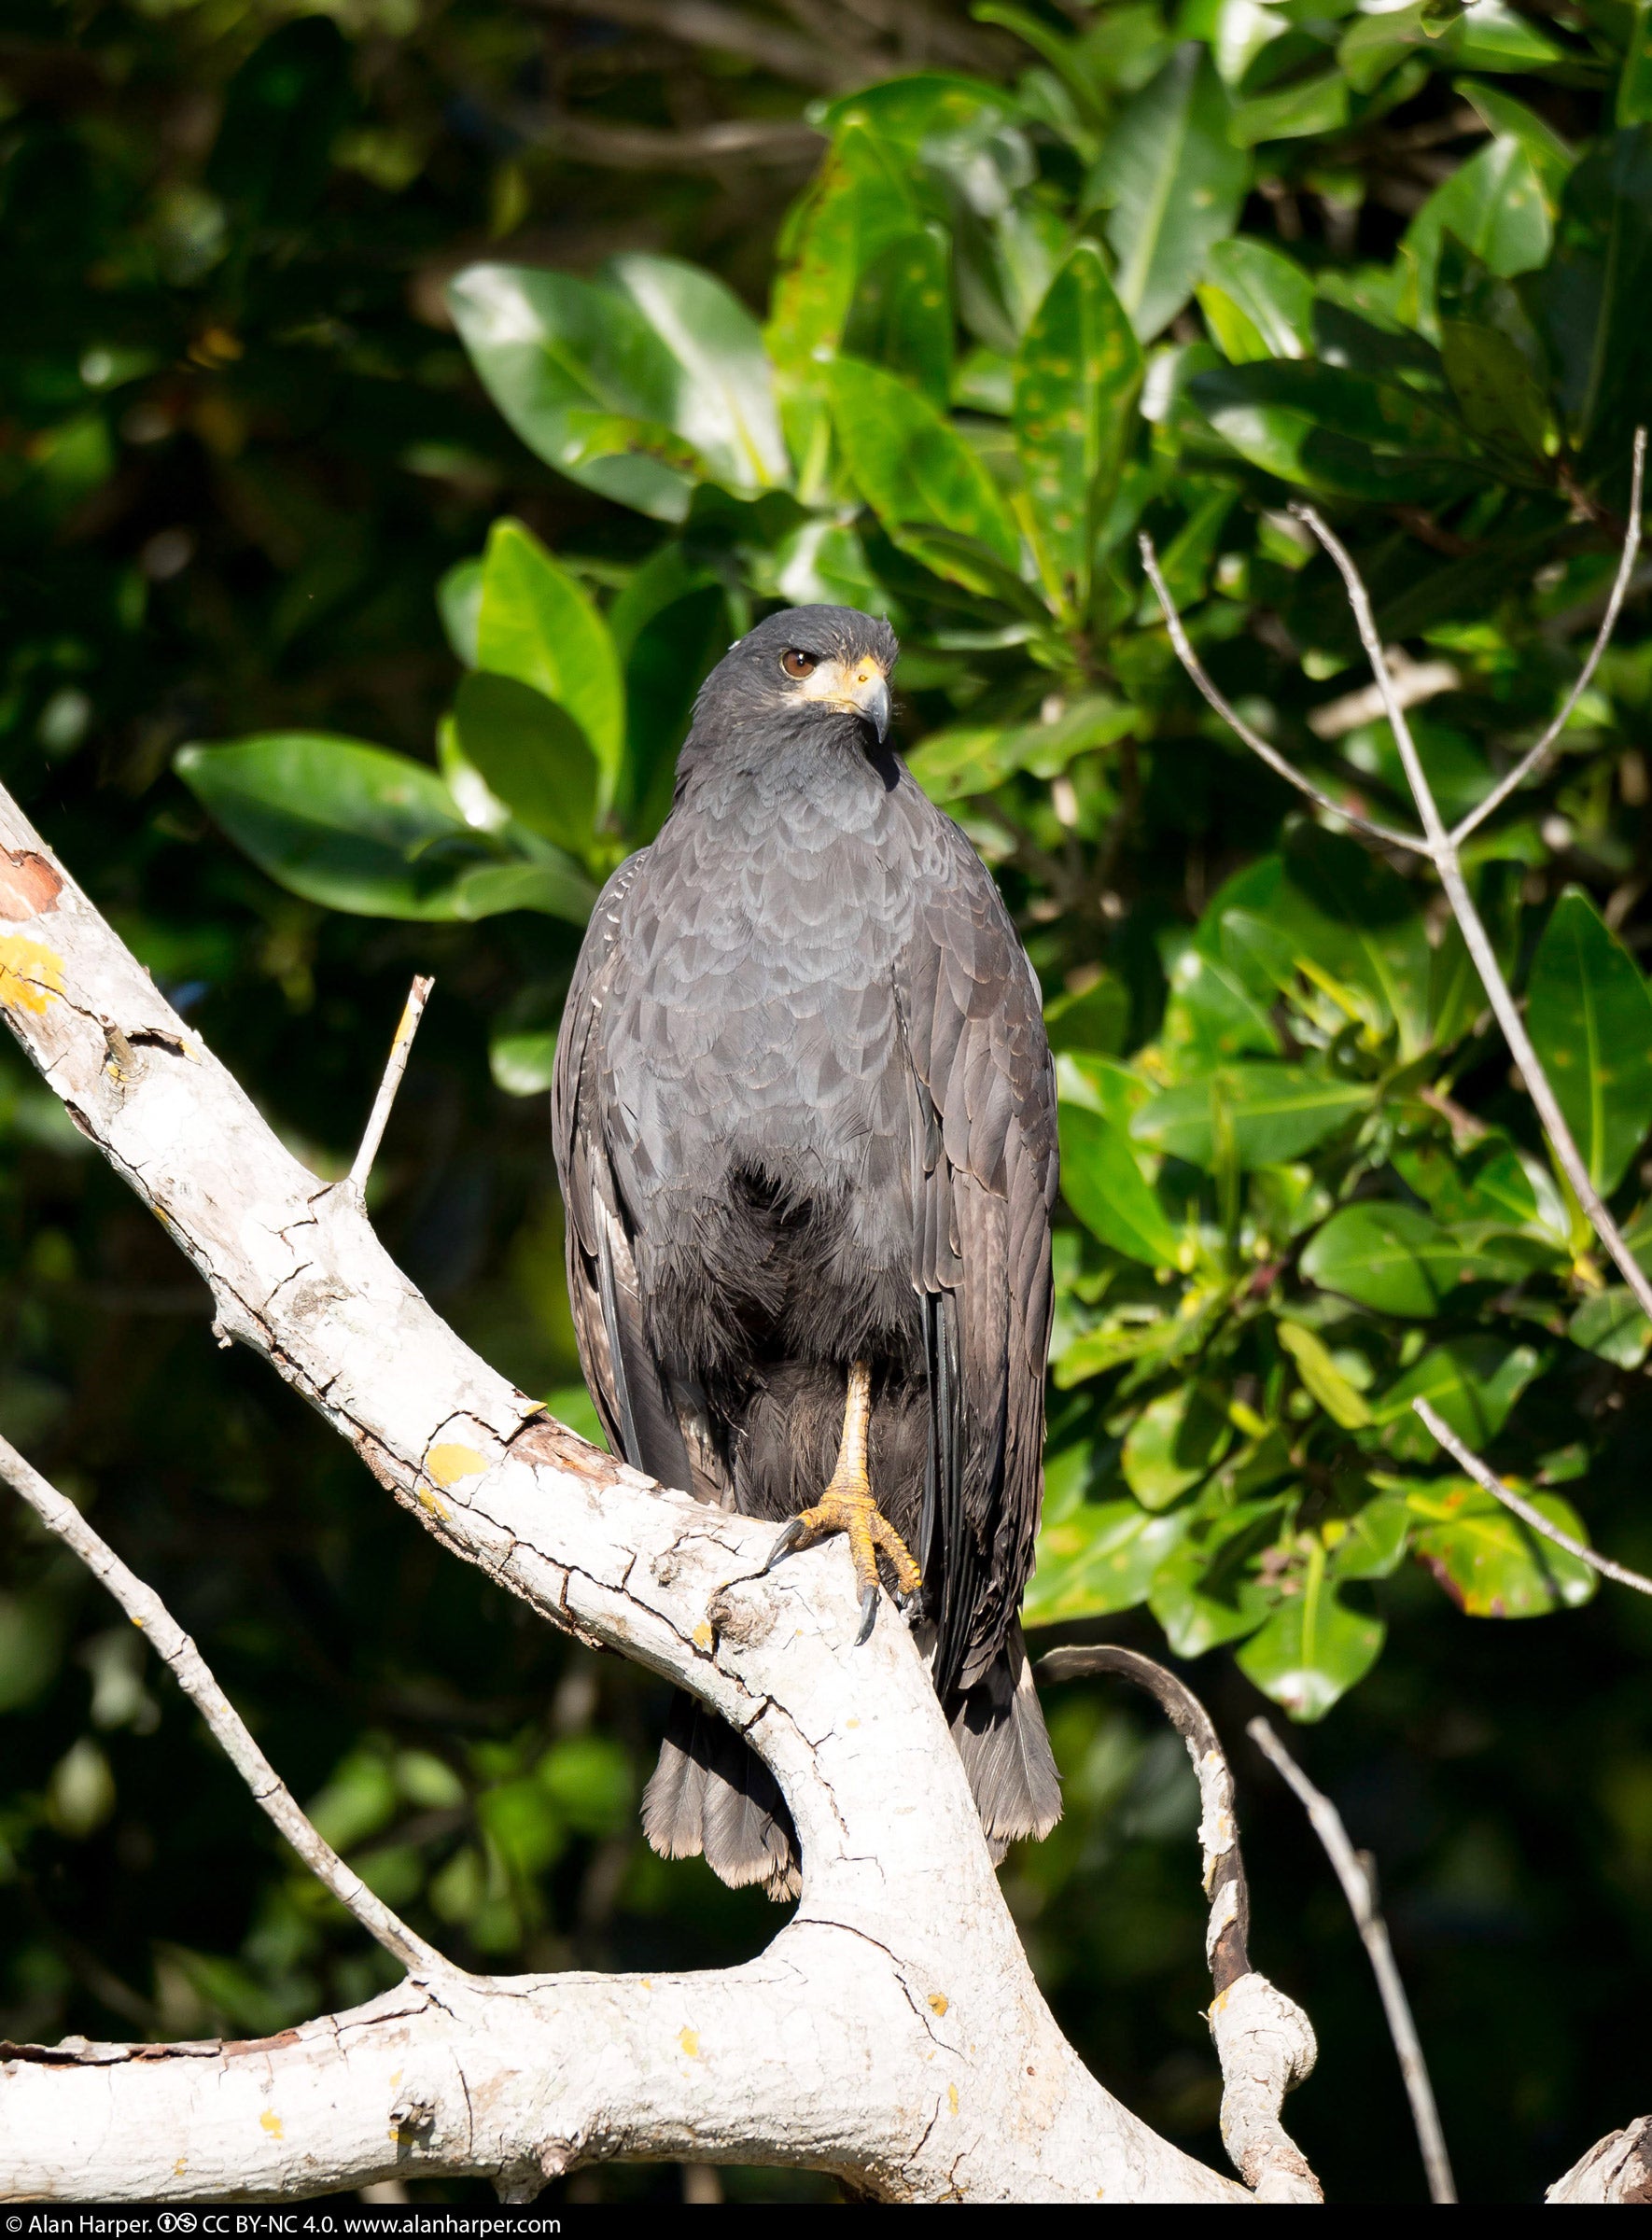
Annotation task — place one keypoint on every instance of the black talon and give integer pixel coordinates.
(789, 1539)
(868, 1616)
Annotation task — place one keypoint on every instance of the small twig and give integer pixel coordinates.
(1264, 2041)
(1253, 740)
(174, 1648)
(1441, 850)
(1533, 755)
(1414, 682)
(1354, 1872)
(1528, 1516)
(413, 1011)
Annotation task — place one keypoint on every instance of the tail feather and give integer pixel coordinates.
(1000, 1736)
(710, 1793)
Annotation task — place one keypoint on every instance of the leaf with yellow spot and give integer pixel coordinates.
(31, 974)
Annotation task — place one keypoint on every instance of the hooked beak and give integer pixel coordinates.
(870, 695)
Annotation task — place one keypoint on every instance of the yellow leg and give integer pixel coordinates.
(848, 1507)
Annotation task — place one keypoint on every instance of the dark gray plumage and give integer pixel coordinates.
(805, 1112)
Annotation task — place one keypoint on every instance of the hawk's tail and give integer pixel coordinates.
(711, 1793)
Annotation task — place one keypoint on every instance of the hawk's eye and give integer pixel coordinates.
(797, 664)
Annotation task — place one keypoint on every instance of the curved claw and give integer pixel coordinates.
(794, 1537)
(868, 1616)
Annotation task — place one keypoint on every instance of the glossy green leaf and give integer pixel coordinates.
(537, 625)
(1172, 183)
(1552, 157)
(1106, 1188)
(1611, 1323)
(1495, 205)
(556, 888)
(1176, 1440)
(1473, 1383)
(1325, 1381)
(902, 314)
(1388, 1258)
(1494, 360)
(458, 599)
(522, 1061)
(1341, 433)
(1589, 1015)
(1092, 1019)
(1369, 1542)
(1077, 378)
(1206, 1591)
(344, 825)
(532, 756)
(1487, 36)
(1094, 1556)
(952, 764)
(1276, 1113)
(1297, 112)
(1489, 1562)
(582, 377)
(1313, 1648)
(723, 396)
(912, 469)
(1634, 80)
(1258, 301)
(1212, 1018)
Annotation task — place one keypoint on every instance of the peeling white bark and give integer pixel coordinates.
(892, 2032)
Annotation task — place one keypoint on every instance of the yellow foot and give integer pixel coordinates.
(848, 1507)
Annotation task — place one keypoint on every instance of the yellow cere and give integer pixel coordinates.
(31, 974)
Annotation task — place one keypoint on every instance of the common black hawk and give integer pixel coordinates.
(805, 1123)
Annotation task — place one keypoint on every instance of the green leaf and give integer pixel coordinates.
(950, 765)
(522, 1061)
(1211, 1016)
(582, 377)
(458, 599)
(1324, 1379)
(1612, 1324)
(1172, 183)
(1635, 83)
(1338, 432)
(537, 625)
(1388, 1258)
(901, 315)
(723, 396)
(1206, 1591)
(1489, 1562)
(1314, 1648)
(1176, 1440)
(1369, 1543)
(1093, 1018)
(1259, 302)
(1495, 205)
(1297, 112)
(554, 889)
(1493, 358)
(1077, 377)
(532, 756)
(1276, 1114)
(1094, 1556)
(1590, 1017)
(1105, 1187)
(1552, 158)
(1473, 1383)
(1487, 36)
(344, 825)
(912, 470)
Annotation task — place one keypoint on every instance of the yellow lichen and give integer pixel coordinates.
(690, 2042)
(939, 2001)
(271, 2122)
(31, 974)
(448, 1465)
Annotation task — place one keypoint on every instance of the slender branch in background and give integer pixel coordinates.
(1275, 762)
(1354, 1873)
(707, 23)
(1442, 850)
(174, 1648)
(1533, 755)
(1532, 1518)
(413, 1011)
(1264, 2041)
(645, 148)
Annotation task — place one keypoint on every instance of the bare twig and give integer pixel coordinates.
(1264, 2041)
(645, 148)
(1441, 848)
(174, 1648)
(1528, 1516)
(1275, 762)
(1414, 682)
(1533, 755)
(725, 30)
(1353, 1871)
(413, 1011)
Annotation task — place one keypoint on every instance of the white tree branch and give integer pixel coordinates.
(892, 2031)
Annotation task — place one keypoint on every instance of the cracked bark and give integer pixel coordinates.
(914, 2055)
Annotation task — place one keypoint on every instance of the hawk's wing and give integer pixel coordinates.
(984, 1165)
(624, 1378)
